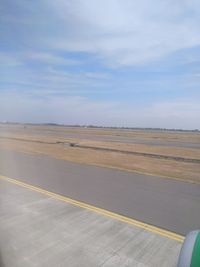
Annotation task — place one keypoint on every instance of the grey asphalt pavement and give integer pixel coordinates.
(166, 203)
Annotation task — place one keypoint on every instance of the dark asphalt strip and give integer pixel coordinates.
(165, 203)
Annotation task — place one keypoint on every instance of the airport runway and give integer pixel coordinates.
(169, 204)
(134, 140)
(120, 139)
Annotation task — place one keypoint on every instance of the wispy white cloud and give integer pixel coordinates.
(127, 32)
(120, 32)
(49, 59)
(9, 60)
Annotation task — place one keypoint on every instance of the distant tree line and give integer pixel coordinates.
(103, 127)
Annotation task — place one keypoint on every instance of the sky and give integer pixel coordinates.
(102, 62)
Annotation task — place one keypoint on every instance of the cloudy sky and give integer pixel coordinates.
(102, 62)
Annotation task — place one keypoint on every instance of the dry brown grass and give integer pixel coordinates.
(169, 168)
(158, 150)
(162, 167)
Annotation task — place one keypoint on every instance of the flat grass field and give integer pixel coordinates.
(173, 154)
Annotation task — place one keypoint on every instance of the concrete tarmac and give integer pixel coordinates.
(166, 203)
(37, 230)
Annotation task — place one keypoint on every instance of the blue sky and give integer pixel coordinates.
(102, 62)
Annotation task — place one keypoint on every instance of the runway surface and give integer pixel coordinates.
(121, 139)
(135, 140)
(169, 204)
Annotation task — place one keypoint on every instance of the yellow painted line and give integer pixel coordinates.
(110, 214)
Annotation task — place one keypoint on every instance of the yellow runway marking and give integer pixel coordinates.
(110, 214)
